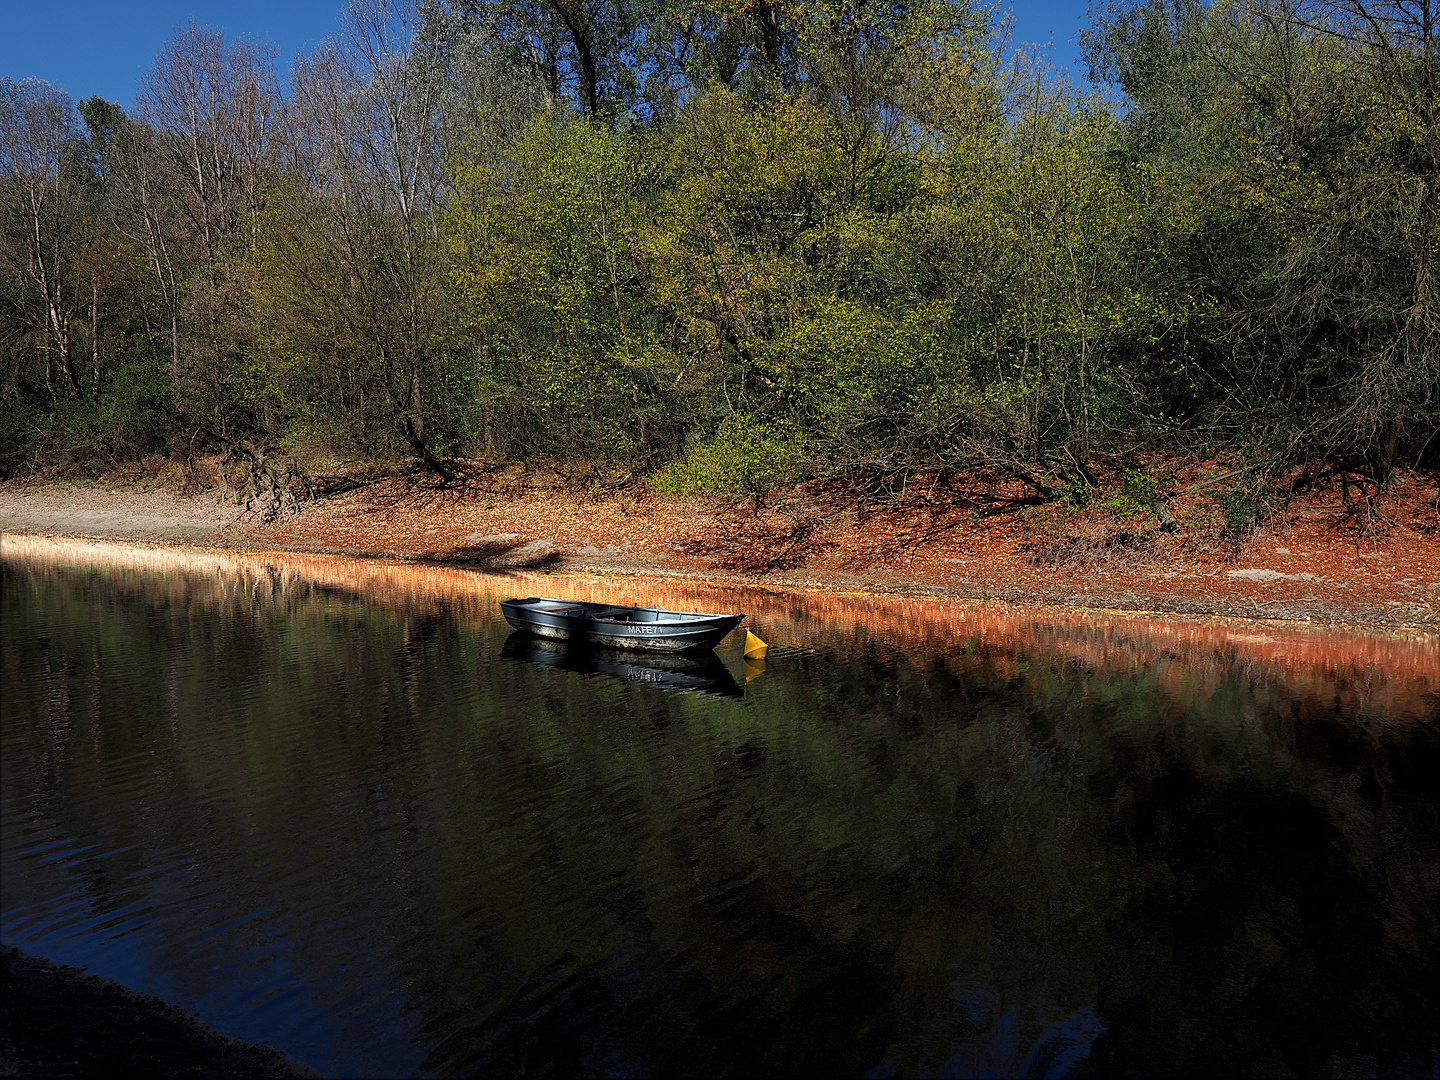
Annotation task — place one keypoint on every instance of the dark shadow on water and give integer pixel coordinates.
(698, 673)
(336, 805)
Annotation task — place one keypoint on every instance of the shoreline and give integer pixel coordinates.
(925, 628)
(1303, 572)
(62, 1021)
(57, 1020)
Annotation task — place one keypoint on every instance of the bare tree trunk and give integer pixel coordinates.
(370, 105)
(37, 128)
(572, 13)
(94, 339)
(175, 347)
(60, 322)
(768, 16)
(415, 430)
(49, 377)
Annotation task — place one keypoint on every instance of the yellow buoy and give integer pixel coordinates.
(754, 647)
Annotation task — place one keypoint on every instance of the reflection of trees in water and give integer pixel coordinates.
(1396, 673)
(915, 858)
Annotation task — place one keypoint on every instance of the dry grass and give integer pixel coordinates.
(1091, 543)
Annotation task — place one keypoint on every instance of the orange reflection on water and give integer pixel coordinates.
(1397, 672)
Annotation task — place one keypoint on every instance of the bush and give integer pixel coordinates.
(747, 456)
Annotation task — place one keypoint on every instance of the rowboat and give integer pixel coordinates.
(691, 672)
(655, 628)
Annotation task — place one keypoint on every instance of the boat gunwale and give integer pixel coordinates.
(565, 609)
(581, 620)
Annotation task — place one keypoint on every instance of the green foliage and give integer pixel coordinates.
(1238, 507)
(548, 280)
(1298, 220)
(134, 415)
(1138, 492)
(861, 228)
(746, 456)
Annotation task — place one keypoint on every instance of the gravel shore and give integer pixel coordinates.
(1315, 564)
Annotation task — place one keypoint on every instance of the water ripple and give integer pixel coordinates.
(354, 829)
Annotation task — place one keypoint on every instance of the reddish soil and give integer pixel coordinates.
(1333, 555)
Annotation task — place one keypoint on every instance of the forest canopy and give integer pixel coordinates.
(721, 247)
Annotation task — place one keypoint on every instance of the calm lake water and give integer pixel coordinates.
(332, 805)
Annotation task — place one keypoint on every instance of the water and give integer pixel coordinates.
(323, 803)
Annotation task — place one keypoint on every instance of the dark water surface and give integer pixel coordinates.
(327, 806)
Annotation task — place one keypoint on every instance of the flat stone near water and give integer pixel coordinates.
(1263, 574)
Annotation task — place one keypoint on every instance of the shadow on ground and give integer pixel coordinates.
(497, 556)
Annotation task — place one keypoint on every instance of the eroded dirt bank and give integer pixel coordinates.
(1317, 562)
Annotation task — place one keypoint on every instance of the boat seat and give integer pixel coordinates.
(628, 615)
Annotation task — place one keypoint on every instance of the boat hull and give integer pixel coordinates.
(650, 629)
(691, 672)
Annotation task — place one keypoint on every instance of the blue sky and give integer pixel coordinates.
(92, 47)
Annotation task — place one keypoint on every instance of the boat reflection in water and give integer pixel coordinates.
(700, 673)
